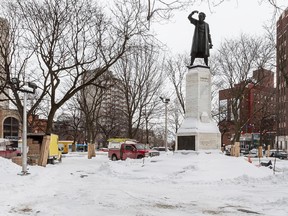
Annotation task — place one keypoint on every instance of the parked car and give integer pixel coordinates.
(254, 152)
(9, 152)
(103, 149)
(278, 154)
(151, 152)
(161, 149)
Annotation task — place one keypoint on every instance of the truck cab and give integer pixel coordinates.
(124, 150)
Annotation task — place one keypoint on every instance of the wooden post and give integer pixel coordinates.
(93, 150)
(268, 151)
(73, 147)
(232, 150)
(260, 152)
(237, 149)
(44, 152)
(89, 151)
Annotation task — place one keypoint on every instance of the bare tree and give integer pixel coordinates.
(236, 59)
(176, 71)
(176, 116)
(69, 125)
(140, 80)
(54, 43)
(88, 102)
(278, 8)
(165, 9)
(265, 115)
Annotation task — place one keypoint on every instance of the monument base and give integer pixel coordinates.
(197, 66)
(196, 135)
(198, 130)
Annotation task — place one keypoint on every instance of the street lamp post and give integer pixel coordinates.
(165, 101)
(24, 137)
(27, 88)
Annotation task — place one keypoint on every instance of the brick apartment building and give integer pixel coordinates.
(256, 111)
(282, 79)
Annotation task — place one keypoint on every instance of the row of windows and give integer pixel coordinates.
(282, 125)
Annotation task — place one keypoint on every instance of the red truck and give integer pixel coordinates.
(122, 151)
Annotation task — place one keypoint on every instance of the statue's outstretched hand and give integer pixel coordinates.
(193, 13)
(210, 46)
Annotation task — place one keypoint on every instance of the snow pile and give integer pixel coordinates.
(184, 183)
(7, 167)
(187, 166)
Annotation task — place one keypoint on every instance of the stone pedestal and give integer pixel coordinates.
(198, 130)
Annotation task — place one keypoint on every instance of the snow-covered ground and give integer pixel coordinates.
(179, 184)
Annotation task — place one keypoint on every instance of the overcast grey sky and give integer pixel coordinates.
(227, 20)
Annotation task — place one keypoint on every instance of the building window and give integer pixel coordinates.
(11, 129)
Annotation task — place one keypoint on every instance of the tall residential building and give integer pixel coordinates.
(282, 79)
(256, 111)
(112, 112)
(106, 102)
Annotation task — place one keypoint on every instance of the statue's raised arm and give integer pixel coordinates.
(201, 39)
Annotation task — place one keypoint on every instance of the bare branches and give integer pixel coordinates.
(238, 57)
(140, 78)
(176, 69)
(274, 3)
(164, 9)
(277, 8)
(55, 43)
(234, 63)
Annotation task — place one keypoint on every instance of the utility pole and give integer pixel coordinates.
(165, 101)
(26, 88)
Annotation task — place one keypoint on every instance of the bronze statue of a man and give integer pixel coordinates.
(201, 39)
